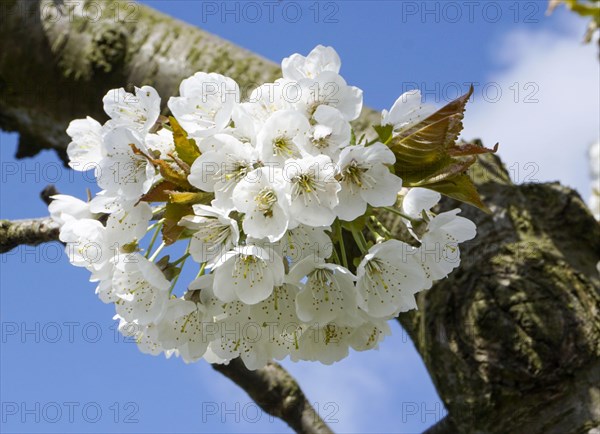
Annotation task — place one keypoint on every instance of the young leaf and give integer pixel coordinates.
(462, 189)
(159, 192)
(427, 154)
(173, 214)
(173, 175)
(384, 132)
(189, 198)
(166, 170)
(186, 148)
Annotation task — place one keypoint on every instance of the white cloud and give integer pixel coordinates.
(545, 140)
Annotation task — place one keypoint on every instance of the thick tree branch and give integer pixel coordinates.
(30, 232)
(278, 394)
(56, 63)
(512, 338)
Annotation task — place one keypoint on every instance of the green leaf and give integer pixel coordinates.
(189, 198)
(173, 214)
(462, 189)
(384, 132)
(186, 148)
(427, 154)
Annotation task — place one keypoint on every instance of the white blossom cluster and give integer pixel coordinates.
(290, 256)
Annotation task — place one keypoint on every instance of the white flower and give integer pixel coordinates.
(121, 169)
(139, 111)
(407, 111)
(277, 315)
(162, 141)
(85, 245)
(329, 88)
(206, 103)
(327, 292)
(256, 333)
(182, 329)
(280, 164)
(142, 290)
(261, 197)
(439, 253)
(64, 207)
(99, 248)
(283, 136)
(368, 335)
(84, 151)
(248, 274)
(215, 233)
(320, 59)
(388, 277)
(365, 178)
(418, 200)
(330, 133)
(303, 241)
(263, 101)
(145, 336)
(129, 224)
(330, 343)
(224, 162)
(326, 343)
(312, 189)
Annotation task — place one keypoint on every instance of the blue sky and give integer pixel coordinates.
(64, 369)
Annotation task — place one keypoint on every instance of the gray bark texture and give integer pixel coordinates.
(511, 339)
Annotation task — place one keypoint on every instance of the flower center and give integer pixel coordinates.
(321, 142)
(356, 174)
(374, 273)
(235, 171)
(307, 186)
(265, 200)
(284, 147)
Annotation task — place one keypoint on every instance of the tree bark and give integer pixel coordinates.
(511, 339)
(30, 232)
(278, 394)
(57, 62)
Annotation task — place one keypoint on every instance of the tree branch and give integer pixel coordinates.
(278, 394)
(71, 61)
(272, 387)
(512, 337)
(30, 232)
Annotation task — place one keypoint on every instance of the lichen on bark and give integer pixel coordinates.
(510, 332)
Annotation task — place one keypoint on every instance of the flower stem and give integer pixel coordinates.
(398, 212)
(340, 237)
(158, 225)
(360, 240)
(201, 272)
(374, 231)
(380, 226)
(157, 252)
(180, 260)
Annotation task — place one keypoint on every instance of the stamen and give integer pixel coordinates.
(265, 200)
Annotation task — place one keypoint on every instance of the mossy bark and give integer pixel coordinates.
(512, 338)
(57, 62)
